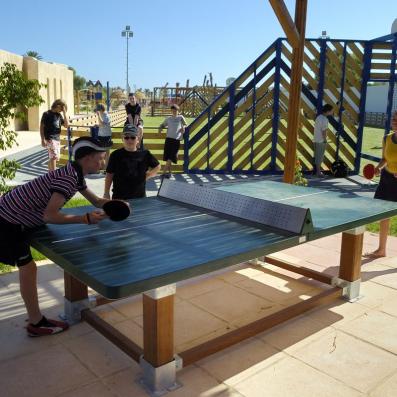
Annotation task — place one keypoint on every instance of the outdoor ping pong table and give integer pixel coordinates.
(191, 230)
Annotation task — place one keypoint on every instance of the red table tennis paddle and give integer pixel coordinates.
(117, 210)
(369, 171)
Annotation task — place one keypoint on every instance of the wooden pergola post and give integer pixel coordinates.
(295, 33)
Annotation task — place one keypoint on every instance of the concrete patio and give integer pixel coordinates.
(343, 349)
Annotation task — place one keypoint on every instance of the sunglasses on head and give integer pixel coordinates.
(129, 137)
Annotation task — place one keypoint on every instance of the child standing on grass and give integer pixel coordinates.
(134, 110)
(129, 168)
(50, 131)
(175, 125)
(36, 203)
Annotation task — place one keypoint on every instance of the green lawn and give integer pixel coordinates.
(153, 122)
(374, 227)
(372, 144)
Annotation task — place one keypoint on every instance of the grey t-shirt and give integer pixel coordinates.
(174, 124)
(104, 129)
(320, 125)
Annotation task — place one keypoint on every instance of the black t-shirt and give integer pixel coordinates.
(52, 122)
(129, 172)
(132, 110)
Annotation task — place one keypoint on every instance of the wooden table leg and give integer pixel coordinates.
(350, 262)
(158, 362)
(158, 323)
(76, 298)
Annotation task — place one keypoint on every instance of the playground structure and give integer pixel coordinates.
(86, 99)
(191, 100)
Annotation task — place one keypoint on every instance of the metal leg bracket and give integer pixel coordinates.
(351, 289)
(72, 310)
(161, 292)
(159, 381)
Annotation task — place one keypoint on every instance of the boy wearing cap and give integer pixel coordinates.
(175, 125)
(36, 203)
(129, 168)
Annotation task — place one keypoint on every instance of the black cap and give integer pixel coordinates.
(130, 129)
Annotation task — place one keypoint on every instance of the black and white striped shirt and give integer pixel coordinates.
(25, 204)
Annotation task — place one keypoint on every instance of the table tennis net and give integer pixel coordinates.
(265, 212)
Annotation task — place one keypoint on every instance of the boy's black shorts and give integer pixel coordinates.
(171, 147)
(14, 244)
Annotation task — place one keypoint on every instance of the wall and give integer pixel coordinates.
(57, 77)
(8, 57)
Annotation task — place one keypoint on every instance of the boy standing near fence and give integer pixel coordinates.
(134, 110)
(175, 125)
(50, 131)
(320, 137)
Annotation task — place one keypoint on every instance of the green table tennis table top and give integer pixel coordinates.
(164, 242)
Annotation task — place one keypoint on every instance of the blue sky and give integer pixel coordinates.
(173, 41)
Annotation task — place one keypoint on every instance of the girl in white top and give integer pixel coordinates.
(104, 130)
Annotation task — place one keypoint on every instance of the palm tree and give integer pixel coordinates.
(33, 54)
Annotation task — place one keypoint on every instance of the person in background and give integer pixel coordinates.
(387, 188)
(134, 110)
(50, 131)
(175, 125)
(320, 137)
(104, 130)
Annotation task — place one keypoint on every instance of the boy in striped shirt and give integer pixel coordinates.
(39, 202)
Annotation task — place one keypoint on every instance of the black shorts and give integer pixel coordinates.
(14, 244)
(171, 147)
(387, 188)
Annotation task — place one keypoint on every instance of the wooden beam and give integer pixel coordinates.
(304, 271)
(112, 334)
(286, 22)
(295, 93)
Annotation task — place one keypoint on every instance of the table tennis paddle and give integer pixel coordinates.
(369, 171)
(117, 210)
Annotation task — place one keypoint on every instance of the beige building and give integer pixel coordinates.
(57, 78)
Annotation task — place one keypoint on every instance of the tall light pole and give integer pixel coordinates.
(127, 33)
